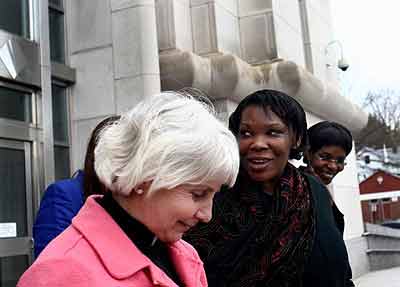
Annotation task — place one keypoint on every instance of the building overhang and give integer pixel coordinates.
(380, 195)
(225, 76)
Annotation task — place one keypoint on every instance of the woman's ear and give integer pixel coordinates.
(298, 143)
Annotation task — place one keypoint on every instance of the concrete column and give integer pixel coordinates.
(257, 15)
(45, 69)
(91, 54)
(174, 25)
(320, 33)
(288, 31)
(215, 26)
(135, 52)
(346, 194)
(113, 46)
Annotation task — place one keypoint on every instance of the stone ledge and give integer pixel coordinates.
(377, 230)
(225, 76)
(371, 234)
(376, 251)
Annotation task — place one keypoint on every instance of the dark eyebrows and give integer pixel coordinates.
(273, 125)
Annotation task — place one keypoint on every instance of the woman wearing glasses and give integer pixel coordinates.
(329, 145)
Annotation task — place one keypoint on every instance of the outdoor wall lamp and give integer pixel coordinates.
(342, 64)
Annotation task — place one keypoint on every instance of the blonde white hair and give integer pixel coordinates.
(168, 139)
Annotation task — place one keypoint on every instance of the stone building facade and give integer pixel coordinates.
(67, 64)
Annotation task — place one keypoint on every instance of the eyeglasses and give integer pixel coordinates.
(328, 158)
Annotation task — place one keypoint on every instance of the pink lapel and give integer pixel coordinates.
(188, 266)
(121, 258)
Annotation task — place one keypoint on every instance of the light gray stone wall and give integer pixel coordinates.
(257, 31)
(383, 246)
(287, 23)
(174, 25)
(346, 193)
(215, 27)
(359, 261)
(321, 33)
(113, 47)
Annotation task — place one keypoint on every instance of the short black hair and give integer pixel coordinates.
(328, 133)
(285, 107)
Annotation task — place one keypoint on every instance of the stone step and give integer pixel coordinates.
(383, 258)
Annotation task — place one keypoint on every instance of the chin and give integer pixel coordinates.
(326, 181)
(173, 238)
(261, 177)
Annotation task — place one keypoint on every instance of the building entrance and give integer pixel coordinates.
(15, 210)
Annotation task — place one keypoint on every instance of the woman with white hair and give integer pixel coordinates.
(161, 163)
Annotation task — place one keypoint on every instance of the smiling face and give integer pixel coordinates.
(264, 144)
(169, 213)
(327, 162)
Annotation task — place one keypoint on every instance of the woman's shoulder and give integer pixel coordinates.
(315, 185)
(73, 183)
(186, 250)
(69, 243)
(61, 264)
(57, 271)
(66, 192)
(70, 189)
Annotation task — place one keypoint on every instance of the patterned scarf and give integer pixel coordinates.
(255, 239)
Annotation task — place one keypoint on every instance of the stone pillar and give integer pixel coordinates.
(91, 54)
(346, 194)
(320, 33)
(134, 38)
(113, 47)
(215, 26)
(288, 31)
(45, 70)
(174, 25)
(257, 15)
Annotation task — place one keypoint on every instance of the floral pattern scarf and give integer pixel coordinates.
(256, 239)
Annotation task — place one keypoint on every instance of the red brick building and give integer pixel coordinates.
(380, 197)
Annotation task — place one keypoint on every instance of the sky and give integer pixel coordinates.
(370, 37)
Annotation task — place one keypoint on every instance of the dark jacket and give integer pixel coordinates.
(328, 265)
(60, 203)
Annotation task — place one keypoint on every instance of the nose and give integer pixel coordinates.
(333, 165)
(204, 214)
(259, 143)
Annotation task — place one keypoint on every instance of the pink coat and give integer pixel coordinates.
(94, 251)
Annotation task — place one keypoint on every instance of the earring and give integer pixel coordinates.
(139, 191)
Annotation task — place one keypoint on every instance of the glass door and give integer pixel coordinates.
(15, 210)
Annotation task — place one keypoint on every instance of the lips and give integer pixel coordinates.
(258, 163)
(187, 226)
(328, 174)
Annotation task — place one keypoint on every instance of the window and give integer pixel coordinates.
(60, 131)
(56, 29)
(15, 105)
(14, 17)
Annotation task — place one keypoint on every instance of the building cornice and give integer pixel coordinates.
(225, 76)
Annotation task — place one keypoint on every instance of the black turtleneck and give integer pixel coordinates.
(143, 238)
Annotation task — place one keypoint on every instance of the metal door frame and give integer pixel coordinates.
(21, 245)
